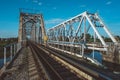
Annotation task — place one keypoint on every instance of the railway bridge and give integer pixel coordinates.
(60, 52)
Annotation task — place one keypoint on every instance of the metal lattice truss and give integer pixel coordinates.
(75, 32)
(31, 27)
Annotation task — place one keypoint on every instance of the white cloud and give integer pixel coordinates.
(39, 3)
(108, 3)
(54, 21)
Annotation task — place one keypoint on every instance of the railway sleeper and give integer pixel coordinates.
(48, 59)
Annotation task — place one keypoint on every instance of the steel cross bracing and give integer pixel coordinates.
(74, 32)
(31, 27)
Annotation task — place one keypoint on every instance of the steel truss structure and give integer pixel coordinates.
(31, 27)
(75, 32)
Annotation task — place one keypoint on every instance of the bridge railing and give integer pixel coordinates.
(9, 52)
(93, 45)
(76, 49)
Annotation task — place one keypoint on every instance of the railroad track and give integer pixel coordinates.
(55, 70)
(83, 70)
(98, 73)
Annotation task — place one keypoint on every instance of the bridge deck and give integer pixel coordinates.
(26, 66)
(22, 68)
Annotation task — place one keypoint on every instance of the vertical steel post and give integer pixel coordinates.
(4, 55)
(11, 52)
(20, 46)
(63, 35)
(82, 50)
(93, 54)
(84, 29)
(17, 46)
(35, 32)
(57, 37)
(20, 38)
(14, 50)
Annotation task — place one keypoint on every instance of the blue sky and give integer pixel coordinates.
(56, 11)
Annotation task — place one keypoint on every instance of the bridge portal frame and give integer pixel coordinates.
(31, 25)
